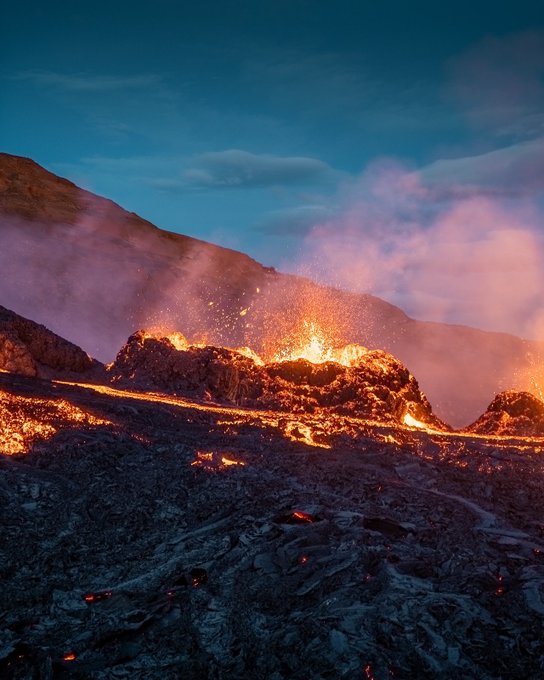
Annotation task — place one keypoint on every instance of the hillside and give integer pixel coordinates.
(94, 273)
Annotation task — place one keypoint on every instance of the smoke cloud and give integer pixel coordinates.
(475, 260)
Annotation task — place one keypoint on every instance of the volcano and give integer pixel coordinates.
(93, 273)
(198, 512)
(512, 413)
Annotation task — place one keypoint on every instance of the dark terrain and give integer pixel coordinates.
(149, 535)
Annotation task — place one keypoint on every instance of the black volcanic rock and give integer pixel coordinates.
(379, 387)
(31, 349)
(166, 539)
(512, 413)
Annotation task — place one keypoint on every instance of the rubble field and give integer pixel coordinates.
(154, 535)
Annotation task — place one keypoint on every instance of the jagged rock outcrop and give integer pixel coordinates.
(379, 387)
(512, 413)
(203, 372)
(31, 349)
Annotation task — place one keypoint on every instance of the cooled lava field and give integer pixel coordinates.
(153, 535)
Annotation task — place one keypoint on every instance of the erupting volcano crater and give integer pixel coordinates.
(369, 384)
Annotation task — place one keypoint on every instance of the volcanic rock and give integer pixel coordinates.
(414, 557)
(512, 413)
(379, 387)
(214, 372)
(30, 349)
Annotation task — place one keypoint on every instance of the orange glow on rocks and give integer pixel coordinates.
(213, 461)
(91, 598)
(26, 420)
(413, 422)
(298, 517)
(230, 461)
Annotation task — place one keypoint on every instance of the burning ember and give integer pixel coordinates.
(199, 577)
(212, 461)
(91, 598)
(298, 517)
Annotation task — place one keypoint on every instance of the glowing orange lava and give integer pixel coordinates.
(210, 460)
(24, 420)
(311, 342)
(250, 354)
(410, 421)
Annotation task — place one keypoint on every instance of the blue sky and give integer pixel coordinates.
(249, 123)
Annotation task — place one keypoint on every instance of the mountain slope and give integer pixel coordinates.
(94, 273)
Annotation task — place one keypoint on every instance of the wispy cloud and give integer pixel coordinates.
(86, 82)
(295, 221)
(235, 168)
(515, 170)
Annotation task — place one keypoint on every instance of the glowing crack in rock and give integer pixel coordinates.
(210, 460)
(299, 432)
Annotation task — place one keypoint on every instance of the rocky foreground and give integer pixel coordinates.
(193, 512)
(155, 536)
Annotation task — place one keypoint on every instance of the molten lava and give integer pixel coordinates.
(412, 422)
(25, 420)
(91, 598)
(211, 461)
(314, 345)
